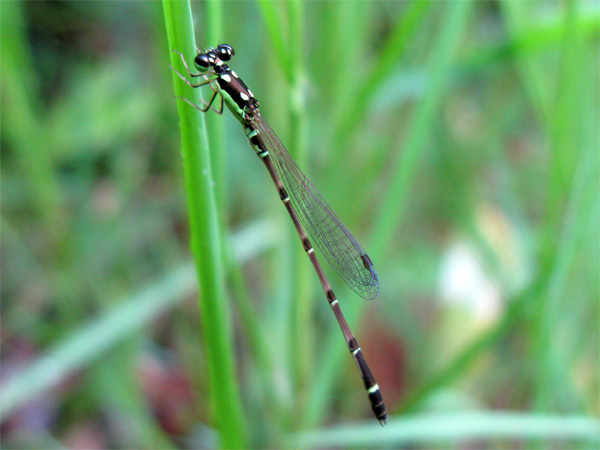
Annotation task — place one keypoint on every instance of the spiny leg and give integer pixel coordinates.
(186, 66)
(189, 83)
(206, 81)
(220, 111)
(208, 104)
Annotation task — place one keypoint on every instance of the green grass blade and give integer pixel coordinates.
(302, 326)
(387, 61)
(214, 123)
(226, 408)
(454, 429)
(22, 127)
(287, 38)
(273, 17)
(392, 207)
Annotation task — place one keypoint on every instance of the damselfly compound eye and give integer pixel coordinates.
(225, 52)
(202, 63)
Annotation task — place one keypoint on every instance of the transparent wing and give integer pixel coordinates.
(322, 225)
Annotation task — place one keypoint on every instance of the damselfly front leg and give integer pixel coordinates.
(186, 65)
(207, 81)
(208, 104)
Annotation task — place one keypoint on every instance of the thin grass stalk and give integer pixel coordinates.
(302, 329)
(386, 62)
(558, 105)
(536, 83)
(24, 129)
(22, 126)
(565, 119)
(290, 61)
(215, 125)
(392, 206)
(276, 21)
(273, 18)
(579, 212)
(356, 112)
(256, 338)
(498, 429)
(517, 17)
(342, 47)
(225, 407)
(274, 398)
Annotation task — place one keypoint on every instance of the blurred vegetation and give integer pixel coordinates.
(457, 140)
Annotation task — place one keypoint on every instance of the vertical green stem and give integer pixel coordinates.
(301, 323)
(392, 207)
(214, 31)
(255, 334)
(288, 47)
(24, 130)
(564, 126)
(386, 62)
(226, 408)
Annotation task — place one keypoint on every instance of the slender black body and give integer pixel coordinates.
(305, 205)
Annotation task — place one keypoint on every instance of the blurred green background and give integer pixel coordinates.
(457, 140)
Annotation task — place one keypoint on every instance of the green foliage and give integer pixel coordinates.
(457, 140)
(205, 236)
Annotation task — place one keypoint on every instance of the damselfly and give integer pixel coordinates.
(306, 206)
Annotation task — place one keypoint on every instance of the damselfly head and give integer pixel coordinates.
(213, 57)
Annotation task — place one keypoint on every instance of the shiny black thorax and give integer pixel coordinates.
(238, 98)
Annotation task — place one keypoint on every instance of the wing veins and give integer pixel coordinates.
(323, 226)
